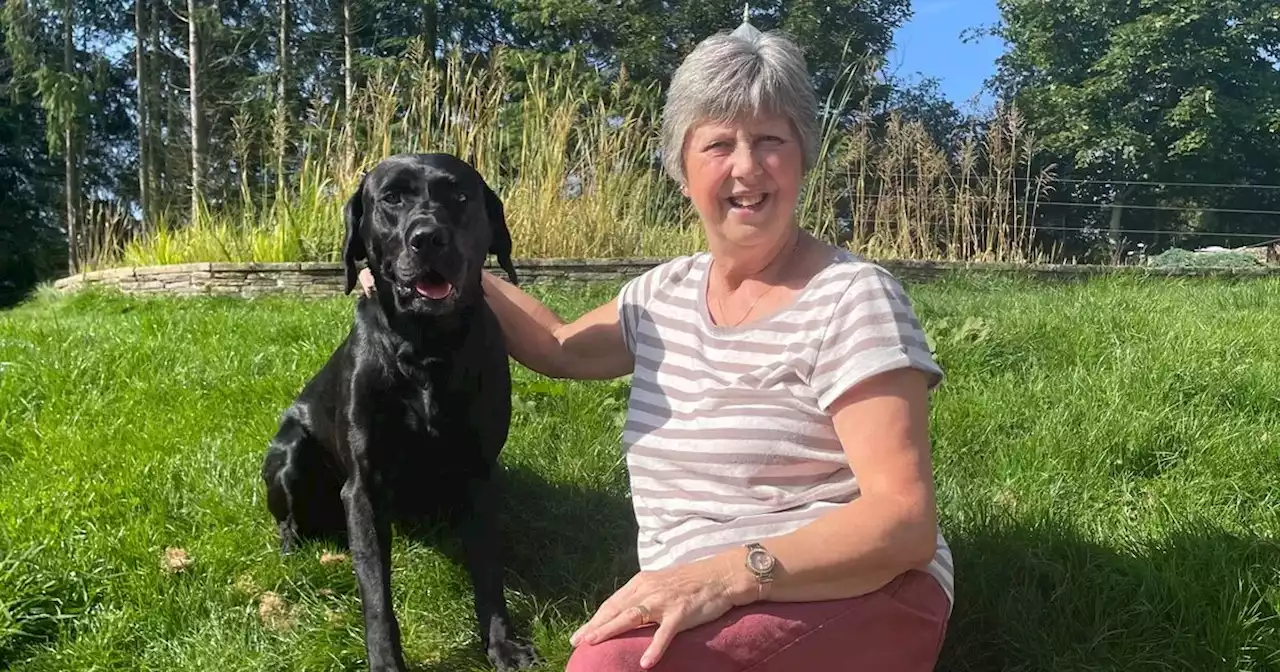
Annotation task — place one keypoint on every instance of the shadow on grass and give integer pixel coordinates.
(40, 600)
(564, 544)
(560, 541)
(1044, 598)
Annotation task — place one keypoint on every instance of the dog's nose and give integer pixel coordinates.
(428, 238)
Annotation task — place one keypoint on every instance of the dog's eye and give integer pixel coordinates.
(460, 196)
(391, 198)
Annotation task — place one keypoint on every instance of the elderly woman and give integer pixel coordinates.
(777, 432)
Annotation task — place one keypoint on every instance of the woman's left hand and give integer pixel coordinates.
(674, 599)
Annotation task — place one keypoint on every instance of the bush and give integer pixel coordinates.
(1179, 258)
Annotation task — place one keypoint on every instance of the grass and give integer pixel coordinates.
(1107, 456)
(569, 155)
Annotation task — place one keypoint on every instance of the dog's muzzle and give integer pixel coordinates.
(428, 268)
(427, 238)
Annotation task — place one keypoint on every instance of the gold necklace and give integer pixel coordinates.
(720, 299)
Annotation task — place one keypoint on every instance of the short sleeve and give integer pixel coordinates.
(637, 292)
(873, 329)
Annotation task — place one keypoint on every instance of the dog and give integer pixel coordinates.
(409, 414)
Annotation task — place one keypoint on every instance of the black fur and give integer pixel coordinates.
(410, 413)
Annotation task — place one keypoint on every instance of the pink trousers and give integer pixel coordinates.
(898, 628)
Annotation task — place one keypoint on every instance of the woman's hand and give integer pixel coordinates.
(674, 599)
(366, 281)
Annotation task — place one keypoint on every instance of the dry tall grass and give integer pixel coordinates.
(580, 178)
(904, 198)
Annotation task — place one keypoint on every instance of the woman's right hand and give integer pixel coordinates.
(366, 281)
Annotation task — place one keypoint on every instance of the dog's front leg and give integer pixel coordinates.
(369, 530)
(484, 557)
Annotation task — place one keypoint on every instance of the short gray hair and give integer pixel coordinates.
(727, 77)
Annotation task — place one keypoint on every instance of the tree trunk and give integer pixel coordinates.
(282, 93)
(70, 167)
(144, 118)
(431, 27)
(282, 83)
(197, 130)
(348, 83)
(159, 116)
(349, 87)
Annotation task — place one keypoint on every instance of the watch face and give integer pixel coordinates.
(760, 561)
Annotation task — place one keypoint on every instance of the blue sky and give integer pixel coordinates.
(930, 44)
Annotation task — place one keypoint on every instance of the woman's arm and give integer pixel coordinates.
(883, 424)
(855, 549)
(590, 347)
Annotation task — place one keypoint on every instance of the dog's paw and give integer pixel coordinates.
(387, 663)
(288, 537)
(508, 654)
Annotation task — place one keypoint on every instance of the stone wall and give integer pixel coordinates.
(327, 278)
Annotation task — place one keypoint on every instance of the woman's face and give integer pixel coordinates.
(744, 177)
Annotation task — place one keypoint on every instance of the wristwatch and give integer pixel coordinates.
(760, 563)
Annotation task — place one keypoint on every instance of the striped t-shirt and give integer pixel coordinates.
(728, 439)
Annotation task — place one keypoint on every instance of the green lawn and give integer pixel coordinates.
(1108, 464)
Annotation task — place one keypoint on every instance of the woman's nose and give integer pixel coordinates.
(744, 160)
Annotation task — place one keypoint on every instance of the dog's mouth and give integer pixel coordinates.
(432, 285)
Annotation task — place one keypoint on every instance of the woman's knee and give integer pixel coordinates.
(619, 654)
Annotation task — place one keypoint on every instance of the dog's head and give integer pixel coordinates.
(425, 223)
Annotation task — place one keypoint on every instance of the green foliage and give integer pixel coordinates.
(649, 38)
(1167, 92)
(31, 246)
(39, 600)
(63, 95)
(923, 101)
(1179, 258)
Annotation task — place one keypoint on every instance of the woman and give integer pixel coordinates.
(777, 433)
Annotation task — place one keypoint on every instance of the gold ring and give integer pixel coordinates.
(644, 614)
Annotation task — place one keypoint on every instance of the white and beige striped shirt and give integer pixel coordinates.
(728, 439)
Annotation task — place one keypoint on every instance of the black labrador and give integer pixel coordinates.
(410, 413)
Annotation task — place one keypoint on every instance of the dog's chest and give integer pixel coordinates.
(435, 452)
(435, 417)
(428, 413)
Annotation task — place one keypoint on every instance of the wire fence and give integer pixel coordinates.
(1029, 204)
(1126, 183)
(1102, 231)
(1040, 203)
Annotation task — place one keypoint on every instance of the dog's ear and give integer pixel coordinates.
(500, 236)
(353, 248)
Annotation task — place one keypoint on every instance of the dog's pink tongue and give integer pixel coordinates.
(434, 290)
